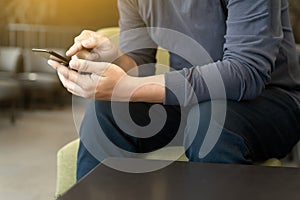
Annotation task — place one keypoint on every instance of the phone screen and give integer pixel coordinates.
(49, 54)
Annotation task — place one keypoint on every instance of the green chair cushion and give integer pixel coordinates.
(66, 167)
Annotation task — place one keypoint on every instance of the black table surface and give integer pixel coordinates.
(183, 180)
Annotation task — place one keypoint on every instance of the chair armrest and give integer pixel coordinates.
(66, 167)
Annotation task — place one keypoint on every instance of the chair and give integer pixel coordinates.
(67, 155)
(39, 80)
(10, 65)
(11, 61)
(298, 51)
(10, 94)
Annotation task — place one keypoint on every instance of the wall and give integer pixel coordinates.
(54, 23)
(96, 13)
(84, 13)
(88, 14)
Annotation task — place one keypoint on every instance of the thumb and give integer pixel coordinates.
(89, 66)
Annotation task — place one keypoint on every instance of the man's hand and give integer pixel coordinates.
(93, 46)
(109, 82)
(94, 53)
(99, 84)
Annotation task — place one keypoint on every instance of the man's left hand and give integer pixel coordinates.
(97, 81)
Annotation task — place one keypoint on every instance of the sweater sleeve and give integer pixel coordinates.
(253, 37)
(135, 40)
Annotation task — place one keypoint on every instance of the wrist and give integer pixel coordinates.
(148, 89)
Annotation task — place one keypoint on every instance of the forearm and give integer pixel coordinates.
(147, 89)
(127, 64)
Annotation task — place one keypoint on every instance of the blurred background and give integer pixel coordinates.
(36, 117)
(31, 22)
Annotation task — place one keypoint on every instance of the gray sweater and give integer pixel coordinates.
(241, 53)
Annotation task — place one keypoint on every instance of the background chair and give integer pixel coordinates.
(39, 80)
(67, 155)
(10, 65)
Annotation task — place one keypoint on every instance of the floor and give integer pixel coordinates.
(28, 152)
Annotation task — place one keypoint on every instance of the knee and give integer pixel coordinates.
(229, 148)
(102, 109)
(85, 161)
(208, 140)
(96, 112)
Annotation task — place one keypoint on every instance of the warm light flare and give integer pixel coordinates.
(97, 13)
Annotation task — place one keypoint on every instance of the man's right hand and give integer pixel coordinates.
(93, 46)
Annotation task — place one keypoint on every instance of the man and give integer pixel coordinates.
(251, 77)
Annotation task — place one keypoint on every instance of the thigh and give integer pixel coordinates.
(254, 130)
(147, 126)
(269, 124)
(106, 131)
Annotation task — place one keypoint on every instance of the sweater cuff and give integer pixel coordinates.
(174, 88)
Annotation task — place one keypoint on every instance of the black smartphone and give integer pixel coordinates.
(50, 54)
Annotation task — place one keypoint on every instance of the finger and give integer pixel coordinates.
(83, 54)
(70, 86)
(88, 66)
(79, 88)
(87, 55)
(61, 70)
(86, 40)
(81, 79)
(62, 79)
(74, 93)
(68, 74)
(65, 73)
(56, 65)
(94, 40)
(74, 49)
(85, 81)
(77, 46)
(53, 64)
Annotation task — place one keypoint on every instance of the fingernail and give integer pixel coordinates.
(50, 62)
(74, 64)
(85, 42)
(69, 52)
(74, 57)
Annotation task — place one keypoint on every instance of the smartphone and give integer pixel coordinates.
(50, 54)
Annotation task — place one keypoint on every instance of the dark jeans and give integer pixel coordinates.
(267, 127)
